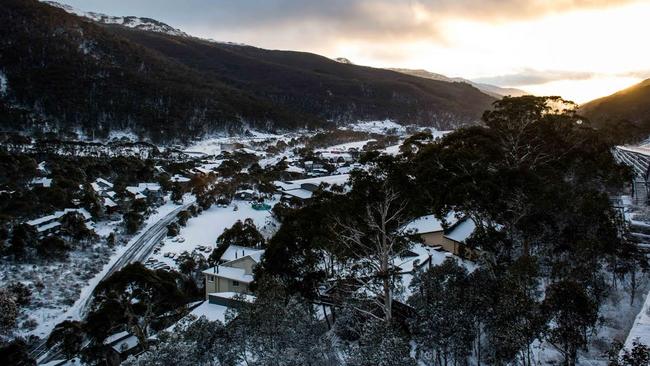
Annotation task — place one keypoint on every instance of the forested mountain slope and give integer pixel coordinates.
(627, 110)
(60, 71)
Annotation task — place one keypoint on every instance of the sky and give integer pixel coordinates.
(578, 49)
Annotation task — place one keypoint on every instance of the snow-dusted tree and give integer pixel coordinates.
(199, 343)
(381, 344)
(276, 329)
(8, 312)
(373, 240)
(444, 327)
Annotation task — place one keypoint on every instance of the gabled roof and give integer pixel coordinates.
(430, 223)
(462, 230)
(237, 251)
(231, 273)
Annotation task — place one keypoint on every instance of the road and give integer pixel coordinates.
(138, 250)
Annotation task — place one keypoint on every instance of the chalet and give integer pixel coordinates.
(120, 346)
(151, 191)
(449, 234)
(104, 190)
(41, 182)
(236, 272)
(304, 189)
(50, 224)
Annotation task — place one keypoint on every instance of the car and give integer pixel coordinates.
(181, 239)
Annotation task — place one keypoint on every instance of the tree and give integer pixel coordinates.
(639, 355)
(177, 193)
(243, 234)
(183, 217)
(133, 220)
(8, 312)
(136, 295)
(374, 240)
(16, 353)
(279, 327)
(573, 313)
(68, 336)
(53, 247)
(444, 327)
(381, 344)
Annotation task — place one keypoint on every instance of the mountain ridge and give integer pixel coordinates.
(62, 72)
(493, 90)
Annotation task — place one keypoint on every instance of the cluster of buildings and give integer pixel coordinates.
(303, 189)
(51, 224)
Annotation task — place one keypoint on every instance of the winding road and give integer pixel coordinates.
(139, 248)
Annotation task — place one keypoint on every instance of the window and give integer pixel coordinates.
(235, 283)
(210, 279)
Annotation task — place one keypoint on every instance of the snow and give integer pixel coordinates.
(126, 344)
(212, 312)
(179, 179)
(379, 127)
(206, 228)
(462, 231)
(430, 224)
(4, 84)
(45, 182)
(231, 273)
(340, 179)
(49, 317)
(341, 148)
(237, 251)
(116, 337)
(641, 329)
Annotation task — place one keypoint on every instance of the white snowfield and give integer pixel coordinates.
(204, 229)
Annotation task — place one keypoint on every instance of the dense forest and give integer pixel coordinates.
(61, 72)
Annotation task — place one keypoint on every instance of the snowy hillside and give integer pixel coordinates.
(146, 24)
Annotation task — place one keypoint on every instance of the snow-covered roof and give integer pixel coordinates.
(45, 182)
(176, 178)
(237, 251)
(231, 273)
(340, 179)
(126, 344)
(47, 227)
(462, 230)
(143, 187)
(294, 169)
(232, 295)
(58, 214)
(299, 193)
(109, 202)
(116, 337)
(430, 223)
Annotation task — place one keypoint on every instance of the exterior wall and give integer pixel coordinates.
(246, 263)
(448, 245)
(213, 283)
(434, 238)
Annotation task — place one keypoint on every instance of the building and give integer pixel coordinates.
(235, 273)
(304, 189)
(50, 224)
(151, 191)
(449, 234)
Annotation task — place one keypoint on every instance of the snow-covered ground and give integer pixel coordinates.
(379, 127)
(212, 145)
(68, 285)
(206, 228)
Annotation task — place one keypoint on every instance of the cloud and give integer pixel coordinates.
(364, 20)
(533, 77)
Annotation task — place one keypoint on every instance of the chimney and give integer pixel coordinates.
(242, 252)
